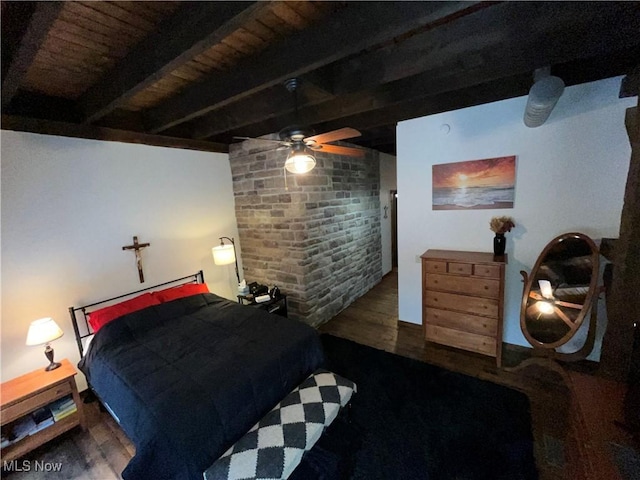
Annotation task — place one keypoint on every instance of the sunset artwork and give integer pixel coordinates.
(475, 184)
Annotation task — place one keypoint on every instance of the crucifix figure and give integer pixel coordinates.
(137, 247)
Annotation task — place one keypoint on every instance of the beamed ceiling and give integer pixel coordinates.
(196, 74)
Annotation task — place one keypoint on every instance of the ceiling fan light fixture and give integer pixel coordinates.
(300, 160)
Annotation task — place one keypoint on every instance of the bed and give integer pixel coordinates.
(186, 378)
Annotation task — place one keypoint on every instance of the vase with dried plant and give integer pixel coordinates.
(500, 226)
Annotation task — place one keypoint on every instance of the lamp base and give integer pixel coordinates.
(52, 366)
(48, 352)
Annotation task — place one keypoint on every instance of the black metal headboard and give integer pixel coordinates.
(81, 325)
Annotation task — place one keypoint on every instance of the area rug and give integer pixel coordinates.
(411, 420)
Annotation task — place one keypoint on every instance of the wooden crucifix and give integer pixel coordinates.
(137, 247)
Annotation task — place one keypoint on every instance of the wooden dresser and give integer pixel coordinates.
(463, 300)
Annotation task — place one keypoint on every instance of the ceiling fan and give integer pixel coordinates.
(301, 140)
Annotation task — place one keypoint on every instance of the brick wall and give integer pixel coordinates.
(318, 240)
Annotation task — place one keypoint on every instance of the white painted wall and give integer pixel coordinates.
(68, 207)
(387, 183)
(570, 176)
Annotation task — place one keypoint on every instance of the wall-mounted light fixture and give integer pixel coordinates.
(226, 254)
(543, 96)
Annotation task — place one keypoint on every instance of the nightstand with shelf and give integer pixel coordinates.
(277, 306)
(24, 395)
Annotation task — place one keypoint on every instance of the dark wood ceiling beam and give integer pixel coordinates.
(264, 105)
(196, 27)
(630, 83)
(493, 62)
(381, 138)
(401, 92)
(62, 129)
(359, 26)
(41, 16)
(493, 91)
(37, 105)
(573, 72)
(462, 59)
(428, 105)
(535, 33)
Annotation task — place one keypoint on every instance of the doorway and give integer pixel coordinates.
(393, 201)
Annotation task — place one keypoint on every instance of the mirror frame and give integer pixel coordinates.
(591, 295)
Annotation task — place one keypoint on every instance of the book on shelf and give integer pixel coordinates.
(59, 416)
(42, 426)
(20, 429)
(41, 415)
(61, 403)
(37, 420)
(63, 407)
(42, 418)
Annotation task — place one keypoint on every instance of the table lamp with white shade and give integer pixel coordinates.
(41, 332)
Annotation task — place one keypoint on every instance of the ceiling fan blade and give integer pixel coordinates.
(334, 135)
(281, 142)
(266, 149)
(339, 150)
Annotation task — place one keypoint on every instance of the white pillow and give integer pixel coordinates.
(86, 341)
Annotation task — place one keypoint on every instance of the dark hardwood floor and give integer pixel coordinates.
(573, 411)
(100, 452)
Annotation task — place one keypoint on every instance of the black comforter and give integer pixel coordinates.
(189, 377)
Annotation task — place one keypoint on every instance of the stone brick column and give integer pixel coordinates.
(319, 238)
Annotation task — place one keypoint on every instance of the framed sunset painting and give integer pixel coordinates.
(475, 184)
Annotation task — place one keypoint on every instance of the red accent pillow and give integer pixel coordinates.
(185, 290)
(102, 316)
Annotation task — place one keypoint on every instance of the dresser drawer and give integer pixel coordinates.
(481, 287)
(464, 340)
(435, 267)
(488, 271)
(460, 268)
(461, 303)
(31, 403)
(462, 322)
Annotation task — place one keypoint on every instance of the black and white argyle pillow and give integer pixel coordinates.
(274, 446)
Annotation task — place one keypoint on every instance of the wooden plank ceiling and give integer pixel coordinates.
(196, 74)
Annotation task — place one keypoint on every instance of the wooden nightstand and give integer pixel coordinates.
(23, 395)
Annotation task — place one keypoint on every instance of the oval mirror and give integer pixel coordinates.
(560, 290)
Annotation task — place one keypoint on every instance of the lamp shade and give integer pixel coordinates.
(545, 289)
(300, 160)
(43, 330)
(223, 254)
